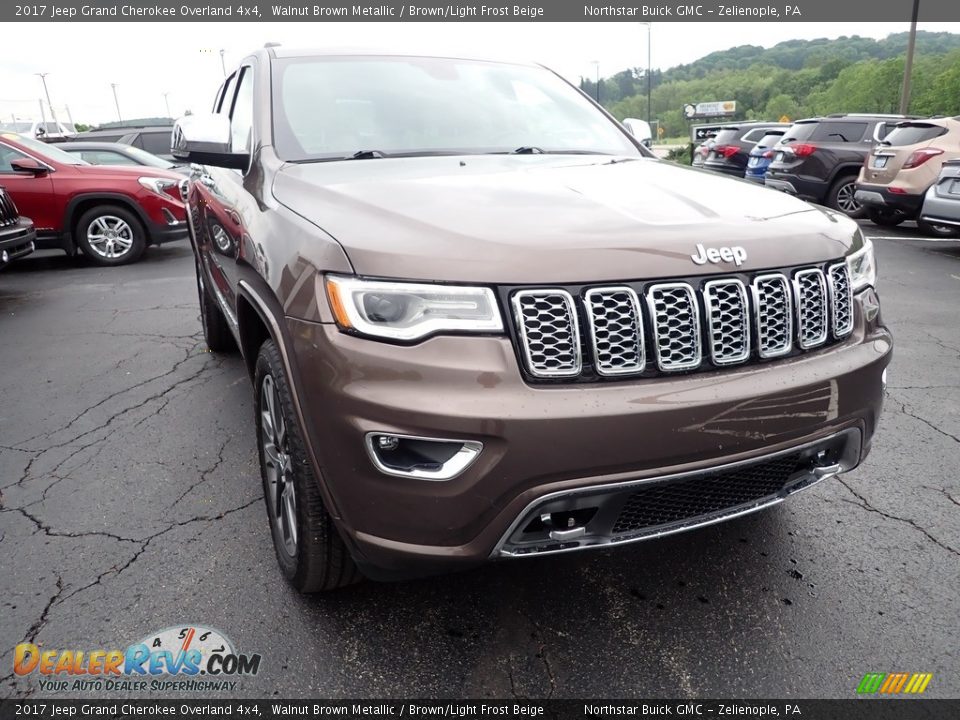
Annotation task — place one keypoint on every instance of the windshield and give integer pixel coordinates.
(44, 151)
(17, 127)
(331, 108)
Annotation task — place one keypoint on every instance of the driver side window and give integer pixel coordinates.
(8, 155)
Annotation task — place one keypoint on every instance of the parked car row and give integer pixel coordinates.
(107, 212)
(876, 166)
(17, 235)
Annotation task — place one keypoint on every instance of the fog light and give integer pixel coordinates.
(883, 378)
(419, 457)
(5, 256)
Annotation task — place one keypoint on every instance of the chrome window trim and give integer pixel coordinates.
(635, 302)
(708, 306)
(822, 337)
(788, 299)
(651, 307)
(525, 342)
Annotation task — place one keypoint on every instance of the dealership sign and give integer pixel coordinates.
(724, 108)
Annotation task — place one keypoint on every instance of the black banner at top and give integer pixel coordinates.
(488, 11)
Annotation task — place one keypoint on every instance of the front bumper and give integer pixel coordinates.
(539, 441)
(17, 241)
(879, 196)
(169, 232)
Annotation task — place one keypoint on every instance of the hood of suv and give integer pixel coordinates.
(551, 218)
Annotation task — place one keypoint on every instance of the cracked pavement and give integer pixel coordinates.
(130, 501)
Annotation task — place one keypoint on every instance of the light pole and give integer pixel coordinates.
(908, 66)
(116, 101)
(649, 67)
(223, 64)
(165, 100)
(597, 63)
(53, 113)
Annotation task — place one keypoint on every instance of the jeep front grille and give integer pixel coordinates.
(616, 330)
(586, 332)
(728, 321)
(811, 291)
(550, 338)
(841, 299)
(8, 212)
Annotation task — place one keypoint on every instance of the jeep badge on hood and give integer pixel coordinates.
(735, 254)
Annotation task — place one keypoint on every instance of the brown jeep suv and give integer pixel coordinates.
(483, 322)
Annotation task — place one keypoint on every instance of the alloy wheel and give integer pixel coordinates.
(110, 236)
(278, 467)
(845, 199)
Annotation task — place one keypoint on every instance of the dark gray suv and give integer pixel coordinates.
(482, 322)
(819, 159)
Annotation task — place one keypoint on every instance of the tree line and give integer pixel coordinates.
(797, 78)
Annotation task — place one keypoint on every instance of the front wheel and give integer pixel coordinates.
(309, 549)
(111, 235)
(841, 197)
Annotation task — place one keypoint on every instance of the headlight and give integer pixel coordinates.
(161, 186)
(408, 311)
(862, 267)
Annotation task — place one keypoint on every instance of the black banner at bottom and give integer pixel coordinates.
(854, 709)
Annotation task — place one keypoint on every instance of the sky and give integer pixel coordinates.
(146, 60)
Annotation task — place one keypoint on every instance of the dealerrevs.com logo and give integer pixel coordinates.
(186, 658)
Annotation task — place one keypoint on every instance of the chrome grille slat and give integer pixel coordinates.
(8, 214)
(550, 337)
(841, 299)
(675, 318)
(810, 288)
(773, 314)
(616, 330)
(728, 321)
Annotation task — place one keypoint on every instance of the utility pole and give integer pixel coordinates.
(69, 115)
(115, 101)
(597, 63)
(223, 64)
(167, 101)
(908, 66)
(53, 113)
(43, 116)
(649, 68)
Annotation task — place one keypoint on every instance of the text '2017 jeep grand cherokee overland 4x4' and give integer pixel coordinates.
(482, 322)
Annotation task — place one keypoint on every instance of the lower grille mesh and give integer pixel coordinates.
(667, 503)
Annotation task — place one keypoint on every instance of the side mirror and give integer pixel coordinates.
(29, 165)
(205, 140)
(41, 131)
(640, 129)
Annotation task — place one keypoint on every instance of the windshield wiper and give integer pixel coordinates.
(368, 155)
(527, 150)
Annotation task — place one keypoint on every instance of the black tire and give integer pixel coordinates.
(840, 197)
(127, 243)
(885, 218)
(216, 332)
(317, 559)
(940, 231)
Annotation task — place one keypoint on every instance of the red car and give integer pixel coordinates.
(109, 213)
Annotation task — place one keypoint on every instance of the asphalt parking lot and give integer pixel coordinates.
(131, 502)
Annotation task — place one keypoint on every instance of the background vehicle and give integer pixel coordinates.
(154, 138)
(702, 150)
(17, 235)
(110, 213)
(732, 146)
(109, 153)
(330, 239)
(819, 159)
(640, 129)
(902, 167)
(761, 155)
(941, 204)
(40, 130)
